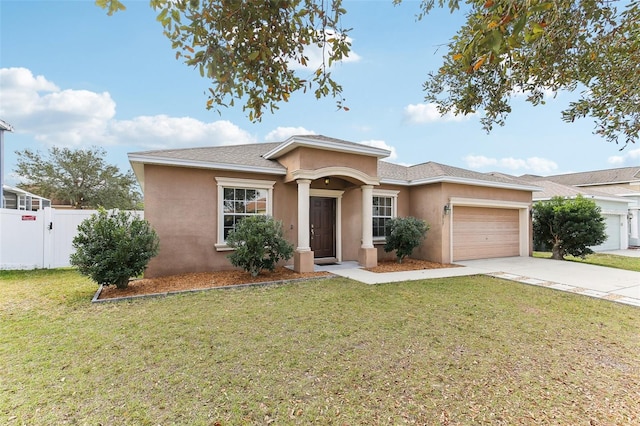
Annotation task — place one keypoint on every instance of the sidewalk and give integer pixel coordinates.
(595, 281)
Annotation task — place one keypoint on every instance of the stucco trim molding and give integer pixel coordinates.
(223, 182)
(478, 202)
(461, 181)
(328, 145)
(333, 171)
(523, 218)
(394, 208)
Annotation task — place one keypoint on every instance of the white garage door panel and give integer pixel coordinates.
(613, 233)
(481, 233)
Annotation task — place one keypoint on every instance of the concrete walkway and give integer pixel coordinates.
(596, 281)
(629, 252)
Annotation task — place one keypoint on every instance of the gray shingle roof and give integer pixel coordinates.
(552, 189)
(432, 170)
(246, 157)
(249, 155)
(609, 176)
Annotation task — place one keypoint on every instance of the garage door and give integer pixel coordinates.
(613, 233)
(481, 233)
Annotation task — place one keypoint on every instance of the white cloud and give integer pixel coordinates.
(162, 131)
(317, 56)
(631, 156)
(479, 161)
(428, 113)
(36, 106)
(32, 104)
(282, 133)
(534, 165)
(382, 144)
(616, 160)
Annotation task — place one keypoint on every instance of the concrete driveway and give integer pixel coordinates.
(590, 280)
(596, 281)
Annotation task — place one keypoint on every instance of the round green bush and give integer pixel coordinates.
(259, 244)
(404, 234)
(112, 247)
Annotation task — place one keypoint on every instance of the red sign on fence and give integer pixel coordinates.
(28, 217)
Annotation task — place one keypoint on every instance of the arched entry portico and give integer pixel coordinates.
(304, 256)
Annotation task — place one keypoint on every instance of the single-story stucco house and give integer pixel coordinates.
(333, 198)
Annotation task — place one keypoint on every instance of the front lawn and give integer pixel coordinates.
(601, 259)
(464, 350)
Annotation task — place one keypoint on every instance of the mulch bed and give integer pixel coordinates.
(409, 265)
(207, 280)
(201, 280)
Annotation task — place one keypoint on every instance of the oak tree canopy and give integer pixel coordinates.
(251, 52)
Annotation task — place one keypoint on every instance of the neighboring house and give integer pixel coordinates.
(614, 209)
(334, 199)
(19, 199)
(621, 182)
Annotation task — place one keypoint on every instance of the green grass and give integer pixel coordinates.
(465, 350)
(601, 259)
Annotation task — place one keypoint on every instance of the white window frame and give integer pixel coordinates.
(394, 207)
(223, 183)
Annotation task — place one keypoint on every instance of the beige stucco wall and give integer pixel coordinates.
(428, 201)
(351, 223)
(181, 205)
(426, 204)
(403, 210)
(304, 158)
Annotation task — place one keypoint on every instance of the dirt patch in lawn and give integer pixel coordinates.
(409, 265)
(202, 280)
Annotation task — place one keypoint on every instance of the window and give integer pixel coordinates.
(239, 198)
(384, 208)
(239, 203)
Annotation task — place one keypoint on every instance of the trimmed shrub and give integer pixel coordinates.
(112, 247)
(404, 234)
(568, 226)
(259, 244)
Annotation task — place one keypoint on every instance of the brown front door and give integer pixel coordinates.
(322, 220)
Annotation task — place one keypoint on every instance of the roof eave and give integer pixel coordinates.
(296, 141)
(4, 126)
(138, 161)
(204, 164)
(608, 183)
(591, 197)
(461, 181)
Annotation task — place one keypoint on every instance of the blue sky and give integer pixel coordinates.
(72, 76)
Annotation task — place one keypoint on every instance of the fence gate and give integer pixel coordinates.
(39, 239)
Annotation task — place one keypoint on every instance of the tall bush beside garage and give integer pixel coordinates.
(259, 244)
(112, 247)
(568, 226)
(405, 234)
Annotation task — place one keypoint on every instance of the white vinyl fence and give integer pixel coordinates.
(39, 239)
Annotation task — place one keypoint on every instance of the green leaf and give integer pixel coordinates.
(519, 25)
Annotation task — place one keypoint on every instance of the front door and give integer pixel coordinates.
(322, 221)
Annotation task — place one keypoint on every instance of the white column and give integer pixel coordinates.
(367, 216)
(303, 215)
